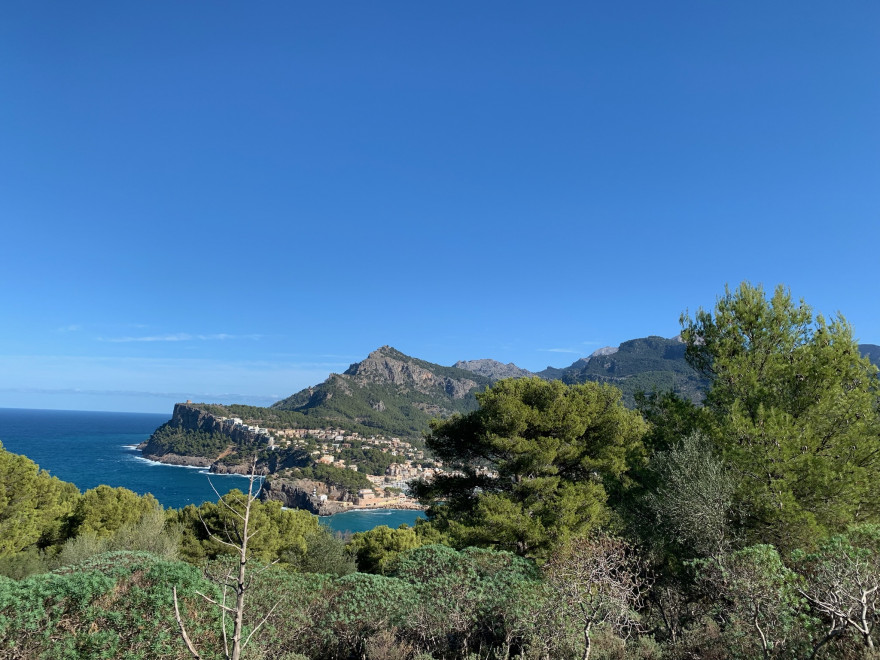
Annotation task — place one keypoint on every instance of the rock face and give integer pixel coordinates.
(306, 494)
(391, 392)
(191, 418)
(188, 417)
(493, 369)
(177, 459)
(388, 366)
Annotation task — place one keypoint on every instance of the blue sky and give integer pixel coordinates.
(229, 202)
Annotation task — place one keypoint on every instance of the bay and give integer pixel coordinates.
(93, 448)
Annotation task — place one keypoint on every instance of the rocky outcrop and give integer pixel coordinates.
(493, 369)
(190, 417)
(177, 459)
(307, 495)
(389, 366)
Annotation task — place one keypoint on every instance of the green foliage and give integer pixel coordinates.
(369, 460)
(465, 596)
(756, 597)
(343, 478)
(280, 531)
(670, 418)
(116, 606)
(689, 507)
(841, 582)
(376, 550)
(649, 364)
(168, 439)
(32, 504)
(27, 562)
(151, 533)
(325, 553)
(361, 606)
(103, 510)
(532, 464)
(794, 410)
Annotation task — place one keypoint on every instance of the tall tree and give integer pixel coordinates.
(32, 503)
(795, 412)
(531, 467)
(103, 510)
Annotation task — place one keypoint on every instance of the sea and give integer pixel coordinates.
(93, 448)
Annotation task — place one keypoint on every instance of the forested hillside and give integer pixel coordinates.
(391, 392)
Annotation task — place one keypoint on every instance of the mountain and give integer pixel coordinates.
(391, 392)
(493, 369)
(646, 364)
(871, 351)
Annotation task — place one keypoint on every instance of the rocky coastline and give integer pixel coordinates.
(177, 459)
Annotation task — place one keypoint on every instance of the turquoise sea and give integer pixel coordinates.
(92, 448)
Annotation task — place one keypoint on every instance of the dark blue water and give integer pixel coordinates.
(93, 448)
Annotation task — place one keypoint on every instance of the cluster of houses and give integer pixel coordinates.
(328, 443)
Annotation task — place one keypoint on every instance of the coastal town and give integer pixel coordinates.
(333, 447)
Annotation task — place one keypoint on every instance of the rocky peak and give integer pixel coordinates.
(605, 350)
(493, 369)
(387, 365)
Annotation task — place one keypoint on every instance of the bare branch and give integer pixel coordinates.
(260, 624)
(186, 640)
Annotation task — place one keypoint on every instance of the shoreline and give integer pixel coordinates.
(371, 510)
(198, 463)
(205, 469)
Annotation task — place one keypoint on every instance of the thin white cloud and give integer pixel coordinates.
(73, 327)
(179, 396)
(558, 350)
(178, 379)
(178, 336)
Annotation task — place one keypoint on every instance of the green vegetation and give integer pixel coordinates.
(32, 504)
(401, 406)
(343, 478)
(168, 439)
(369, 460)
(532, 465)
(282, 532)
(649, 364)
(793, 407)
(568, 526)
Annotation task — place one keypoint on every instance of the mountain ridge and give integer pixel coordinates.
(390, 391)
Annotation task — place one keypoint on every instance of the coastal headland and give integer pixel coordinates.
(321, 470)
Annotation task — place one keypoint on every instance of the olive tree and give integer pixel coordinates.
(598, 581)
(842, 583)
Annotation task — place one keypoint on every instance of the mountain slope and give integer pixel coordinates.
(872, 352)
(493, 369)
(391, 392)
(646, 364)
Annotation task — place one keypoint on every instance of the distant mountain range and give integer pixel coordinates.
(647, 364)
(393, 394)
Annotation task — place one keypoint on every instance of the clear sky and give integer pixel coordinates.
(228, 201)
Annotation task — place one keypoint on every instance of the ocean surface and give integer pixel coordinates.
(93, 448)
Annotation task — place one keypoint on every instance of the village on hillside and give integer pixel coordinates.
(327, 446)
